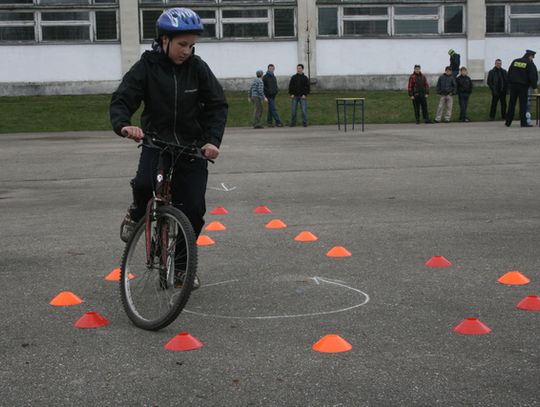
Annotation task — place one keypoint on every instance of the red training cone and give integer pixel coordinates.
(215, 226)
(220, 210)
(331, 344)
(182, 342)
(65, 299)
(262, 209)
(530, 303)
(204, 240)
(338, 251)
(115, 275)
(438, 261)
(514, 278)
(91, 320)
(306, 237)
(472, 326)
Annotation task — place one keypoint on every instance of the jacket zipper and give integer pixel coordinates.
(175, 104)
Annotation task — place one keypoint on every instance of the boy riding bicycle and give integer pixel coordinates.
(183, 102)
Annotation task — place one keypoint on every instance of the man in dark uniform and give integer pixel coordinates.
(522, 74)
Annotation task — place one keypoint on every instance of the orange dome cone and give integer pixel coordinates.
(472, 326)
(182, 342)
(338, 251)
(306, 237)
(331, 344)
(438, 261)
(276, 224)
(204, 240)
(65, 299)
(115, 275)
(220, 210)
(215, 226)
(262, 209)
(91, 320)
(529, 303)
(514, 278)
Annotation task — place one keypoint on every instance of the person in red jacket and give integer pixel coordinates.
(418, 92)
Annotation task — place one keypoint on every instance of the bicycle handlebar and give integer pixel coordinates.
(192, 151)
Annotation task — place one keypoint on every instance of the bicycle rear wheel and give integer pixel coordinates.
(158, 269)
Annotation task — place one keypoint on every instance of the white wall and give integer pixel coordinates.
(509, 48)
(243, 59)
(54, 63)
(385, 56)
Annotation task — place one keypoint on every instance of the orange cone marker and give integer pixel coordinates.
(306, 237)
(91, 320)
(115, 275)
(276, 224)
(204, 240)
(65, 299)
(514, 278)
(262, 209)
(220, 210)
(215, 226)
(182, 342)
(338, 251)
(529, 303)
(438, 261)
(331, 344)
(472, 326)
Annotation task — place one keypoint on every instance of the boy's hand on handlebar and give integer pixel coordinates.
(210, 151)
(133, 132)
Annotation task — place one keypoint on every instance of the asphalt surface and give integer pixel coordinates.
(393, 196)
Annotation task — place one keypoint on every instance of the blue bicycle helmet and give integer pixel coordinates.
(178, 20)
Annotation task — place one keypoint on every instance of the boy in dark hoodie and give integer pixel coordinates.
(464, 90)
(418, 92)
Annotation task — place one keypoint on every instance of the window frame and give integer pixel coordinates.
(38, 9)
(391, 18)
(508, 16)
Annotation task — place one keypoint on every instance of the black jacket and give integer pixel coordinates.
(522, 71)
(455, 60)
(446, 85)
(299, 85)
(183, 100)
(497, 80)
(464, 84)
(270, 85)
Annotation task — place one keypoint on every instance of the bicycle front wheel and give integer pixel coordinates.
(158, 269)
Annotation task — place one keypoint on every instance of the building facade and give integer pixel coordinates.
(85, 46)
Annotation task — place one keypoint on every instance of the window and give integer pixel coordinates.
(380, 20)
(51, 21)
(328, 21)
(224, 19)
(365, 21)
(513, 18)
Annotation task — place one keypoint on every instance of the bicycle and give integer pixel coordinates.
(159, 262)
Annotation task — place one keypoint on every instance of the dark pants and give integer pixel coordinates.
(188, 187)
(294, 106)
(495, 98)
(463, 103)
(272, 111)
(521, 92)
(418, 102)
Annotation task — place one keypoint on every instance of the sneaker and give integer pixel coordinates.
(305, 124)
(279, 125)
(436, 121)
(258, 127)
(180, 280)
(127, 227)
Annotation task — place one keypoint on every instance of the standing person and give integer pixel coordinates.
(464, 90)
(455, 62)
(498, 84)
(184, 103)
(446, 87)
(522, 74)
(270, 91)
(418, 92)
(299, 89)
(256, 97)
